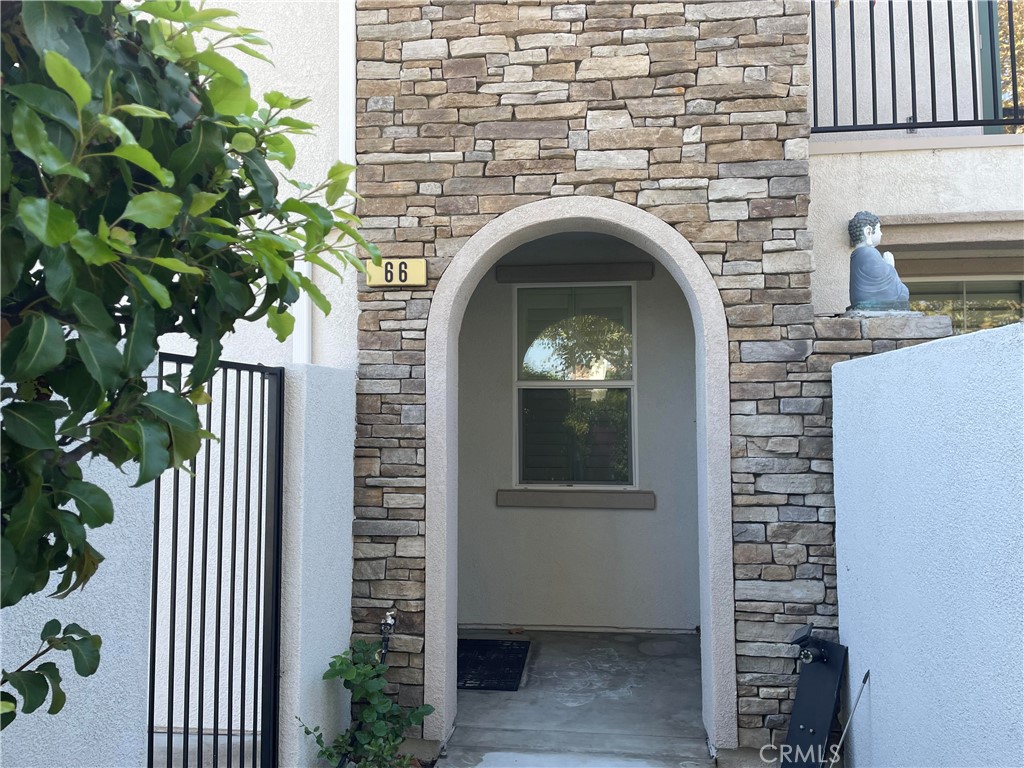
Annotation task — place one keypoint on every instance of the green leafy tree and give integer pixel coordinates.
(139, 200)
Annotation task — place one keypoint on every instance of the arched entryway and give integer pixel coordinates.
(677, 256)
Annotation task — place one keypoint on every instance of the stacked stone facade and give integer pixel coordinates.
(693, 111)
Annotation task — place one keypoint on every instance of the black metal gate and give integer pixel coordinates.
(215, 615)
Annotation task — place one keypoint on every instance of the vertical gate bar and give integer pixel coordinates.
(189, 607)
(814, 63)
(913, 63)
(260, 523)
(233, 568)
(1011, 32)
(245, 574)
(993, 44)
(974, 64)
(892, 62)
(952, 60)
(835, 89)
(931, 59)
(171, 624)
(874, 71)
(151, 736)
(853, 63)
(272, 601)
(220, 561)
(207, 450)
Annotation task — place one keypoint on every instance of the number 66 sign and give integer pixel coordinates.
(397, 272)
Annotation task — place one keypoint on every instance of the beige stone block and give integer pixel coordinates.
(563, 111)
(787, 261)
(424, 49)
(603, 119)
(633, 138)
(779, 54)
(516, 149)
(614, 67)
(734, 9)
(406, 31)
(587, 160)
(731, 211)
(534, 129)
(525, 42)
(907, 327)
(657, 106)
(479, 46)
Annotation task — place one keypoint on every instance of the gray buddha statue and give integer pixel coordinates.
(874, 283)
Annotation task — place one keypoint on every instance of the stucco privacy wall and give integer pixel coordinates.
(694, 112)
(579, 567)
(105, 719)
(896, 179)
(929, 468)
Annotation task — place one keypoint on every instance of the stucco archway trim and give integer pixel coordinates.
(448, 306)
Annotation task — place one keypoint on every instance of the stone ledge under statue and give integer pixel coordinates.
(875, 286)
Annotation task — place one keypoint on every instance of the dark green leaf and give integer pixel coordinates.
(235, 294)
(153, 287)
(49, 222)
(30, 138)
(177, 411)
(185, 444)
(32, 424)
(33, 348)
(59, 276)
(140, 346)
(50, 629)
(57, 697)
(86, 653)
(315, 294)
(71, 527)
(204, 148)
(92, 7)
(32, 686)
(93, 503)
(67, 77)
(92, 249)
(155, 210)
(154, 454)
(262, 178)
(47, 101)
(207, 355)
(50, 27)
(28, 522)
(92, 312)
(101, 357)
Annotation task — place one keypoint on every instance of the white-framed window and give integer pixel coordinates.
(575, 382)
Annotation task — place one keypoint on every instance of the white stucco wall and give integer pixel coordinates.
(580, 567)
(929, 485)
(104, 722)
(913, 176)
(316, 586)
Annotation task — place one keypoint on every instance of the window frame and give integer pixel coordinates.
(518, 385)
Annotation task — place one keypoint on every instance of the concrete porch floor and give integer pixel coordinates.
(588, 700)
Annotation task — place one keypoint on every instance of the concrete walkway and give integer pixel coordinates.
(588, 700)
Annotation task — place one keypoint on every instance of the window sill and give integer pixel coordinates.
(563, 498)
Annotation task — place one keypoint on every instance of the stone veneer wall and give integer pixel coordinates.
(695, 112)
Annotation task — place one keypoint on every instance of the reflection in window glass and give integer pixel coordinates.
(575, 334)
(575, 436)
(971, 305)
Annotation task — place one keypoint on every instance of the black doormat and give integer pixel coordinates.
(491, 665)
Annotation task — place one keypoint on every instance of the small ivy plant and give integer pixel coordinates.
(378, 724)
(139, 198)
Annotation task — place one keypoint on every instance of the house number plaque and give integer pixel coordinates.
(395, 272)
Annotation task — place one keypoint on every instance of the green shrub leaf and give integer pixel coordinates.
(101, 357)
(155, 210)
(50, 223)
(66, 77)
(93, 503)
(32, 348)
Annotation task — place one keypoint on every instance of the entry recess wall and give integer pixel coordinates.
(579, 568)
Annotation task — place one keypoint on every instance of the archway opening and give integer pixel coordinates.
(677, 259)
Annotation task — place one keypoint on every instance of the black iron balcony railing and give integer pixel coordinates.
(914, 64)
